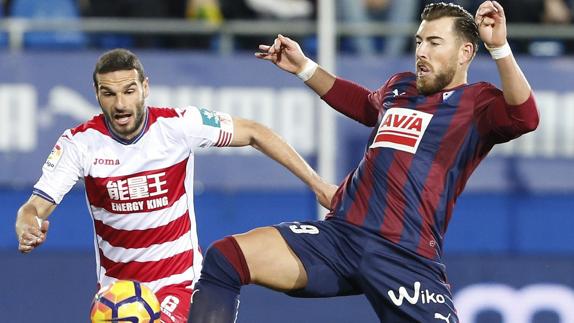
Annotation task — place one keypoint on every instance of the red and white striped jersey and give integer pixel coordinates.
(139, 193)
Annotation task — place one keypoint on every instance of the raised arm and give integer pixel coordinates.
(491, 22)
(344, 96)
(515, 113)
(286, 54)
(251, 133)
(32, 224)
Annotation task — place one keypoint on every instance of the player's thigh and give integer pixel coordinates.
(175, 301)
(270, 260)
(402, 291)
(329, 252)
(412, 301)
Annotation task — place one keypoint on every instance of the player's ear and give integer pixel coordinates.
(466, 53)
(145, 86)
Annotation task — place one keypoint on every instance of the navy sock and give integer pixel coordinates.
(216, 295)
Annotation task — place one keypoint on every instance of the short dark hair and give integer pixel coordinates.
(118, 59)
(464, 23)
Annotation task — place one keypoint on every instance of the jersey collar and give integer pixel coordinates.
(134, 139)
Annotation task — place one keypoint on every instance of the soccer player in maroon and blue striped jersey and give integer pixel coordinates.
(384, 235)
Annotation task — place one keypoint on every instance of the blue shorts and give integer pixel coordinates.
(343, 259)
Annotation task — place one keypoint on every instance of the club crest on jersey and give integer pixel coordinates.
(54, 157)
(402, 129)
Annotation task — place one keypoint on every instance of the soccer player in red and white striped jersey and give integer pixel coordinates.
(137, 163)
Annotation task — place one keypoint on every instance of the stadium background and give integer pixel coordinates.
(509, 248)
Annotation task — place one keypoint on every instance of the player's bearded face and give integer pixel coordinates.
(122, 98)
(127, 123)
(436, 55)
(431, 79)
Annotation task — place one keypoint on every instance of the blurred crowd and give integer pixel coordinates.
(553, 12)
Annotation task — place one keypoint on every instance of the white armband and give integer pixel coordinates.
(499, 52)
(308, 70)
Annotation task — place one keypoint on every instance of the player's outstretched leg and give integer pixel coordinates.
(216, 294)
(260, 256)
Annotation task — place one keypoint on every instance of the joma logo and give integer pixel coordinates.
(107, 162)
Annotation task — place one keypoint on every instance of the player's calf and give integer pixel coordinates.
(216, 295)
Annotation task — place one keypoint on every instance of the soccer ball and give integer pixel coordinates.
(125, 301)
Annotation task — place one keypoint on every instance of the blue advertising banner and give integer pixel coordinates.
(43, 93)
(512, 289)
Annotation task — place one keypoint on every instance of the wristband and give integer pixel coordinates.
(308, 70)
(499, 52)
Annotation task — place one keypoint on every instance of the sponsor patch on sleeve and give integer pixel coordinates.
(210, 118)
(54, 157)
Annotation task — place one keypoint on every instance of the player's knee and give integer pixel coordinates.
(224, 262)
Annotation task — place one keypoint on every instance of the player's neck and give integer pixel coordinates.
(460, 78)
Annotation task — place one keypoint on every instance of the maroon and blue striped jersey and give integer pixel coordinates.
(420, 154)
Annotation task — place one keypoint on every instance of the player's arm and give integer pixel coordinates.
(344, 96)
(32, 224)
(60, 172)
(247, 132)
(492, 28)
(519, 114)
(286, 54)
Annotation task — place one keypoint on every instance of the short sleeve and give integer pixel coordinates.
(207, 128)
(61, 171)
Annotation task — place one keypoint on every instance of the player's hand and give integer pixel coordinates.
(324, 193)
(31, 236)
(285, 53)
(491, 23)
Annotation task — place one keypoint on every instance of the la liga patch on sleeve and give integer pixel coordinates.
(54, 157)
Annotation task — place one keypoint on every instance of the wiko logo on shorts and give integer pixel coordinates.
(424, 296)
(402, 129)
